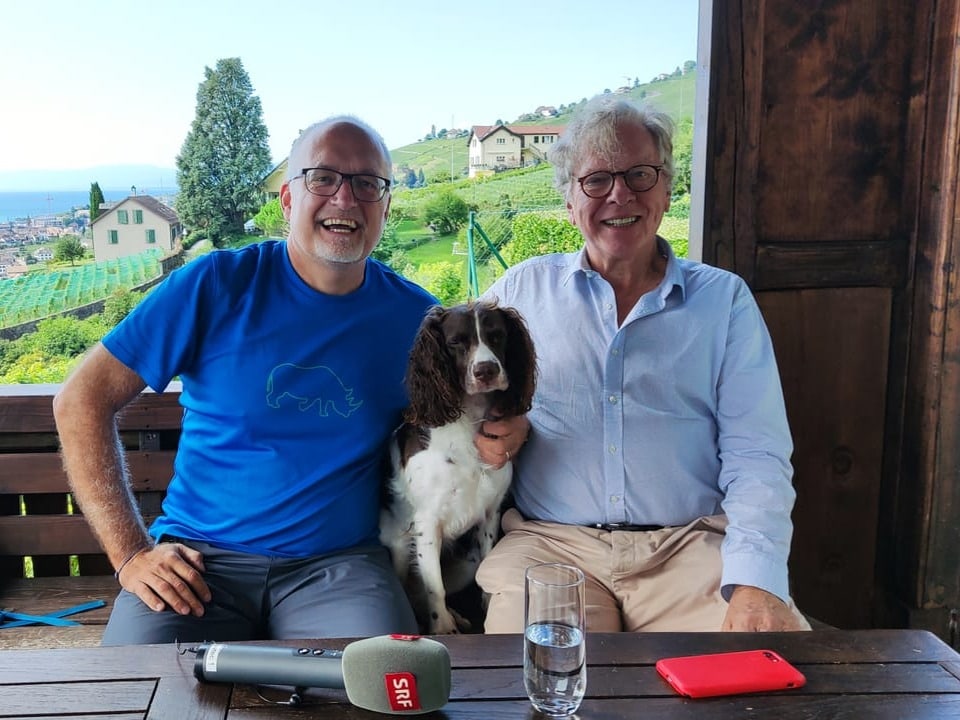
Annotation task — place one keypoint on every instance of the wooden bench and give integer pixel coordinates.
(38, 520)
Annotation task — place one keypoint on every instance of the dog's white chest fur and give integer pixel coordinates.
(442, 493)
(447, 482)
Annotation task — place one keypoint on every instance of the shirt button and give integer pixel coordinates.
(615, 351)
(609, 306)
(614, 499)
(613, 399)
(613, 449)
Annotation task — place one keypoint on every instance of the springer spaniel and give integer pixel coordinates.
(469, 363)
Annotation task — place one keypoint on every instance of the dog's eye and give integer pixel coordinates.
(456, 340)
(496, 337)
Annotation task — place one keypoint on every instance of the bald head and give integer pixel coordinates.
(301, 151)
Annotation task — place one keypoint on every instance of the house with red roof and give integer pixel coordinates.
(494, 148)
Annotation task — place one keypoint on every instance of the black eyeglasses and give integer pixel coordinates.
(639, 178)
(326, 182)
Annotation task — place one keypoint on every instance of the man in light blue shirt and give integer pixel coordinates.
(658, 459)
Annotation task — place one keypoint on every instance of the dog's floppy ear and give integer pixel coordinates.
(521, 361)
(433, 383)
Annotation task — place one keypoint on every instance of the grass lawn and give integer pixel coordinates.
(412, 230)
(439, 249)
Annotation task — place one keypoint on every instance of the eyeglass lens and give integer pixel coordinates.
(326, 182)
(639, 178)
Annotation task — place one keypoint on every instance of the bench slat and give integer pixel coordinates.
(48, 535)
(23, 411)
(28, 473)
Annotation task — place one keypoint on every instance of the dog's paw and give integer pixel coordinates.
(463, 625)
(445, 623)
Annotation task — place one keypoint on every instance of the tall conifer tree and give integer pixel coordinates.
(96, 199)
(224, 156)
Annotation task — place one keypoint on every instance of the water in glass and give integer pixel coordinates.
(554, 667)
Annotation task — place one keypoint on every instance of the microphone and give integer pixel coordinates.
(393, 674)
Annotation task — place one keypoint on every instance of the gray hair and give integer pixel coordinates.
(324, 125)
(593, 129)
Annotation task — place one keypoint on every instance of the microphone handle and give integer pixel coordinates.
(262, 665)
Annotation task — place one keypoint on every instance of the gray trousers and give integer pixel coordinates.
(354, 593)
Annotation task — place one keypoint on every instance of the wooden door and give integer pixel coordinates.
(831, 188)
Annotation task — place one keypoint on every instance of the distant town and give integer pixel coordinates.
(25, 242)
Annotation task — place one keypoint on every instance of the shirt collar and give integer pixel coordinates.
(673, 275)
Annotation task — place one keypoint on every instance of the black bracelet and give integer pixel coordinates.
(131, 556)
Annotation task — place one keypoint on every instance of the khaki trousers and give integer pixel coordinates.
(663, 580)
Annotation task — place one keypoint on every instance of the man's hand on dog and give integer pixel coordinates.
(168, 575)
(498, 441)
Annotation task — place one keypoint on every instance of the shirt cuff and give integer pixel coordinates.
(756, 570)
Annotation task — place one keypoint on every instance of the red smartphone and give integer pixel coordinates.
(729, 673)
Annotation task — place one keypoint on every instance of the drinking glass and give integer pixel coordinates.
(554, 654)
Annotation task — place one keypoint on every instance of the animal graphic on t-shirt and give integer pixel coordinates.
(318, 385)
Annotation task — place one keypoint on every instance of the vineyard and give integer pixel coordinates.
(40, 294)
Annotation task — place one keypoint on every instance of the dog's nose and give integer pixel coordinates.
(486, 371)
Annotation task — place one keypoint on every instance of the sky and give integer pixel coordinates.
(110, 82)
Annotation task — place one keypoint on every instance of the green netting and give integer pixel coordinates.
(40, 294)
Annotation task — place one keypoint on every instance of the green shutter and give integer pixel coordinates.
(122, 217)
(138, 217)
(151, 236)
(114, 237)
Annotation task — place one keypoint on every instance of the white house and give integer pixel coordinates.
(493, 148)
(138, 223)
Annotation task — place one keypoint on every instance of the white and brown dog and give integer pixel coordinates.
(441, 515)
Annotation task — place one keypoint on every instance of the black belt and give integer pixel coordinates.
(625, 527)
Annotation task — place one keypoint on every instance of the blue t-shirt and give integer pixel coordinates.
(289, 397)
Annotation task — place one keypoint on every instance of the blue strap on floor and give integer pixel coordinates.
(14, 619)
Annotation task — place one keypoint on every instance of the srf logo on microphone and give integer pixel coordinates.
(402, 691)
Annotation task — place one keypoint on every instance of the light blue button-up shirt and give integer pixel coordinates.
(676, 414)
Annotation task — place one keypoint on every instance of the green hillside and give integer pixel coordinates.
(674, 96)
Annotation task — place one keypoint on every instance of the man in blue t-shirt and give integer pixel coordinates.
(292, 356)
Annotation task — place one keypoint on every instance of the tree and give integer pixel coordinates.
(96, 199)
(443, 279)
(389, 244)
(446, 211)
(119, 304)
(224, 156)
(270, 219)
(69, 248)
(682, 158)
(538, 234)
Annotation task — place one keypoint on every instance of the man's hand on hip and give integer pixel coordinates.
(167, 575)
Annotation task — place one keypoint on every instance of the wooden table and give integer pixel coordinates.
(864, 674)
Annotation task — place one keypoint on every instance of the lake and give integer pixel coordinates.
(24, 204)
